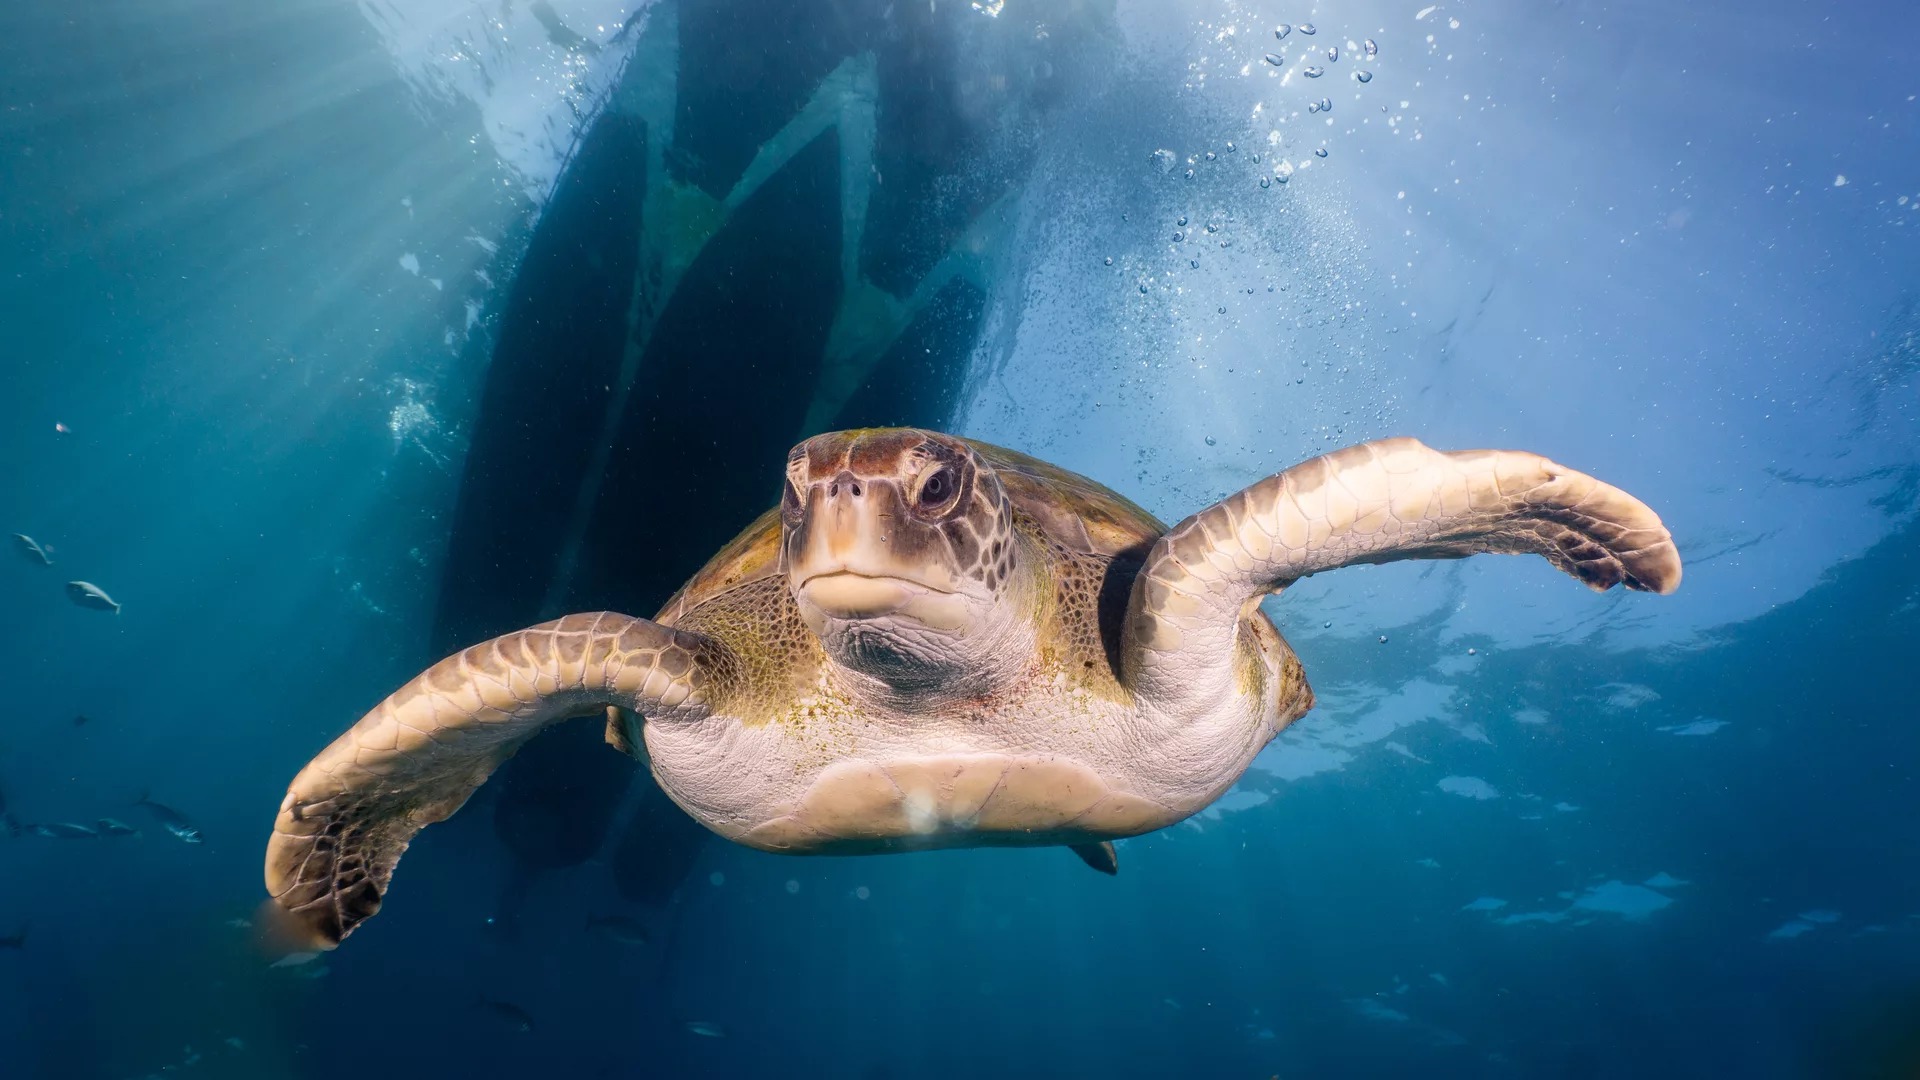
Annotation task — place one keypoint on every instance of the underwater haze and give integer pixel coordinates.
(336, 335)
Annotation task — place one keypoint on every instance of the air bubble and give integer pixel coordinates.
(1210, 156)
(1312, 107)
(1313, 73)
(1372, 49)
(1307, 29)
(1109, 260)
(1266, 182)
(1365, 77)
(1210, 438)
(1223, 311)
(1383, 639)
(1320, 152)
(1179, 236)
(1182, 222)
(1281, 31)
(1333, 52)
(1275, 59)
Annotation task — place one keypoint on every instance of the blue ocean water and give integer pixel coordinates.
(338, 335)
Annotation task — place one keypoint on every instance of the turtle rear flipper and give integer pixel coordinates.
(1372, 503)
(1100, 856)
(416, 758)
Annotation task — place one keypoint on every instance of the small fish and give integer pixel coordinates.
(17, 941)
(175, 822)
(30, 551)
(88, 595)
(65, 830)
(619, 928)
(110, 827)
(297, 959)
(507, 1012)
(707, 1028)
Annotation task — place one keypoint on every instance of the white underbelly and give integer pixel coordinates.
(878, 786)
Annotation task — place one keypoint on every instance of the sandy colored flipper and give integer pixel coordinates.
(1372, 503)
(416, 758)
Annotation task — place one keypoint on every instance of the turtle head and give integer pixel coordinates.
(900, 549)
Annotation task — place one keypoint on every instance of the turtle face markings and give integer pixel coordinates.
(900, 550)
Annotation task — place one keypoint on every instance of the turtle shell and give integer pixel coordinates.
(1075, 512)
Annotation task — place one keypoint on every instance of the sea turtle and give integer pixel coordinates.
(933, 642)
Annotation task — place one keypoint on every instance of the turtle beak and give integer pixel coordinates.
(845, 520)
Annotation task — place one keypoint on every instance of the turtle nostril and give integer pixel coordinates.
(847, 480)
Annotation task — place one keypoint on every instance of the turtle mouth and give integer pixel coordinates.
(844, 594)
(854, 596)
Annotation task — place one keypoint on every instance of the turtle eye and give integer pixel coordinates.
(937, 489)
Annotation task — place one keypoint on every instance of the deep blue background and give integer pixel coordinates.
(250, 256)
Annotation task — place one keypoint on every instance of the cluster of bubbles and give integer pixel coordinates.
(1224, 291)
(1369, 47)
(1279, 171)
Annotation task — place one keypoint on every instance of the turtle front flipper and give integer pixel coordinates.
(349, 815)
(1372, 503)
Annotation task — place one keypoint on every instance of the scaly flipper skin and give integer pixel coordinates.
(1372, 503)
(349, 815)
